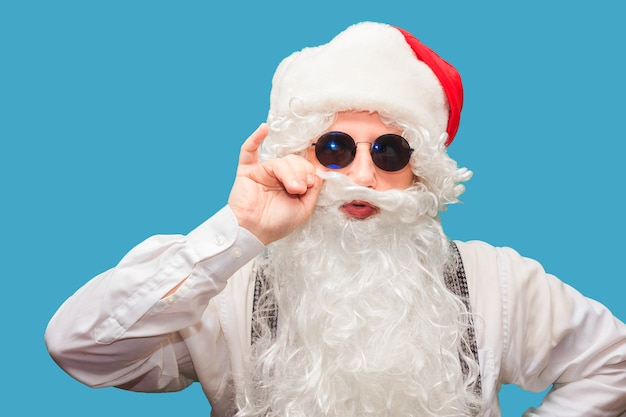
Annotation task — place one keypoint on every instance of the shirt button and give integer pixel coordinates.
(237, 253)
(219, 240)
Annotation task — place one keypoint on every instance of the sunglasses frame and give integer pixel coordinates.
(404, 145)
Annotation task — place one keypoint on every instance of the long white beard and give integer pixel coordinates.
(367, 326)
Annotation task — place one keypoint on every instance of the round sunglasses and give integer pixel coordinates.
(337, 150)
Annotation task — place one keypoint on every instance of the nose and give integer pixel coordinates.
(362, 169)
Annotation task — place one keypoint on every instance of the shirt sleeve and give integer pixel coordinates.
(119, 329)
(555, 337)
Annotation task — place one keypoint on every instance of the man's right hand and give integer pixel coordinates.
(273, 198)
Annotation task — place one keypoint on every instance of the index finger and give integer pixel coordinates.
(249, 150)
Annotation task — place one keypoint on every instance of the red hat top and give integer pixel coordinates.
(447, 75)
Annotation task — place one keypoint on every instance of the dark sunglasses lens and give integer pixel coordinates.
(391, 152)
(335, 150)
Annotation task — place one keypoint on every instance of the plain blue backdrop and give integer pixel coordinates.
(123, 119)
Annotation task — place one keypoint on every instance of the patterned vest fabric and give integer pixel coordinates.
(455, 280)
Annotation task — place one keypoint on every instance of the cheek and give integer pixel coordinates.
(398, 180)
(409, 178)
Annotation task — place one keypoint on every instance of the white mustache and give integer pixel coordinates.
(408, 203)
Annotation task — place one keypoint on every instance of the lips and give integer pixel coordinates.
(359, 209)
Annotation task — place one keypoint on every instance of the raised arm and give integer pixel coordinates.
(123, 327)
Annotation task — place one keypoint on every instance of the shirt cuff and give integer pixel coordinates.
(227, 244)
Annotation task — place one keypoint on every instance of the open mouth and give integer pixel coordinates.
(359, 209)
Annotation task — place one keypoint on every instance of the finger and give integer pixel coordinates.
(310, 197)
(303, 174)
(249, 150)
(295, 173)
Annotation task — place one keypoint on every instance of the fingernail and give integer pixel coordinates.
(298, 184)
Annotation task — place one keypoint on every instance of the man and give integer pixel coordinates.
(327, 286)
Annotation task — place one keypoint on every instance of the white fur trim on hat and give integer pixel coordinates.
(367, 67)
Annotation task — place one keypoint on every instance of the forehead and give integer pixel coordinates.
(361, 123)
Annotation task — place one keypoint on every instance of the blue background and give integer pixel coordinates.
(123, 119)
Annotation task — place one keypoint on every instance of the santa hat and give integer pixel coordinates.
(371, 67)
